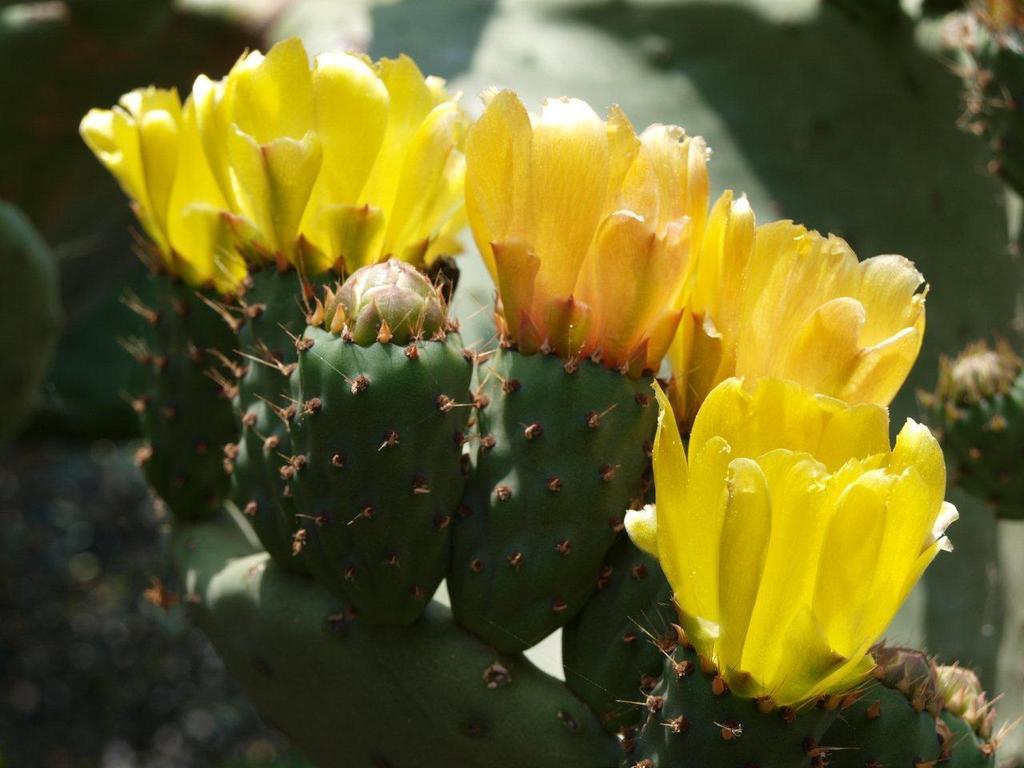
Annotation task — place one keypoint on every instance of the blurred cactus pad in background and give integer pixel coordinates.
(348, 395)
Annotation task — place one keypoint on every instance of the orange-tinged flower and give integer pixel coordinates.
(585, 227)
(782, 301)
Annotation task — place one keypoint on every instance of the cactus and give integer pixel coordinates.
(693, 719)
(382, 393)
(272, 318)
(892, 721)
(346, 692)
(561, 452)
(978, 410)
(28, 336)
(613, 650)
(967, 720)
(370, 445)
(877, 14)
(987, 43)
(186, 411)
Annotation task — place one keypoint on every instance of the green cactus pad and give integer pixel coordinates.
(877, 14)
(978, 410)
(347, 693)
(31, 323)
(694, 721)
(377, 474)
(187, 415)
(273, 317)
(613, 651)
(561, 455)
(962, 747)
(892, 721)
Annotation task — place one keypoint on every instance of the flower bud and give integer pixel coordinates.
(386, 302)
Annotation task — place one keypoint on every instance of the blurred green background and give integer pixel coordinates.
(845, 120)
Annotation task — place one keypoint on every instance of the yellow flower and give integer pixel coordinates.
(782, 301)
(793, 533)
(150, 144)
(586, 228)
(339, 164)
(344, 161)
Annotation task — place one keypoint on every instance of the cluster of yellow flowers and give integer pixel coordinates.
(790, 530)
(794, 532)
(333, 165)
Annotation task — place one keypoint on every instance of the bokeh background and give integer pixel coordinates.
(839, 115)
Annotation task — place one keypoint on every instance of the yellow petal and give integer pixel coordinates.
(746, 531)
(410, 100)
(432, 179)
(569, 176)
(851, 555)
(351, 105)
(214, 125)
(771, 413)
(670, 481)
(809, 660)
(272, 96)
(354, 234)
(623, 147)
(796, 484)
(212, 242)
(917, 447)
(516, 273)
(690, 528)
(272, 184)
(626, 310)
(195, 229)
(642, 528)
(726, 248)
(497, 172)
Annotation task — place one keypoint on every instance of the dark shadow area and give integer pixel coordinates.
(851, 131)
(90, 673)
(441, 35)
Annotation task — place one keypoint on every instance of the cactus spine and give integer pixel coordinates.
(186, 411)
(613, 650)
(272, 318)
(693, 719)
(893, 720)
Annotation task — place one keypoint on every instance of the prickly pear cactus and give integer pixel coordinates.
(693, 719)
(382, 392)
(988, 44)
(893, 721)
(978, 410)
(613, 651)
(346, 692)
(272, 317)
(562, 453)
(28, 335)
(186, 412)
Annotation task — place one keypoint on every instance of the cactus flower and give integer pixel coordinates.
(339, 164)
(150, 144)
(782, 301)
(585, 227)
(792, 532)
